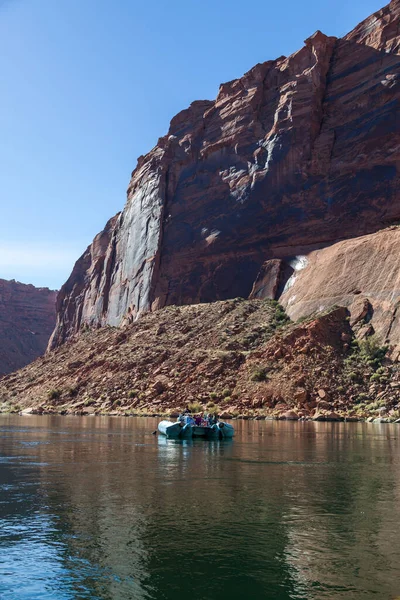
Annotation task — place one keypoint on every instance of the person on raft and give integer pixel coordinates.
(205, 420)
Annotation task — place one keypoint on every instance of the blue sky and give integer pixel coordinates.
(87, 86)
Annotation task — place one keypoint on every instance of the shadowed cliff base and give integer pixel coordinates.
(236, 357)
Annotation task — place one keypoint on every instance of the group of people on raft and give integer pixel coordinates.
(204, 420)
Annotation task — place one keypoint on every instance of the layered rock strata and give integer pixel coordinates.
(27, 318)
(297, 154)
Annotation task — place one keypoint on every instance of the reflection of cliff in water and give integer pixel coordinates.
(285, 510)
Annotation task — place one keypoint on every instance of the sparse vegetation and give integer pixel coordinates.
(195, 407)
(280, 317)
(73, 391)
(375, 406)
(371, 349)
(352, 376)
(8, 407)
(259, 374)
(303, 319)
(54, 394)
(365, 362)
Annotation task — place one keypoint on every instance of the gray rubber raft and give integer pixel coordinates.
(181, 430)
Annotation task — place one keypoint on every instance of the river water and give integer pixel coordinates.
(99, 508)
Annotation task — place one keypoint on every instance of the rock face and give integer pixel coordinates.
(27, 318)
(361, 274)
(297, 154)
(381, 30)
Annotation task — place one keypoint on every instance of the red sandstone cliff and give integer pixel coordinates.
(27, 318)
(361, 274)
(295, 155)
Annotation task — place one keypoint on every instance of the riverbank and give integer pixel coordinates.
(239, 358)
(329, 418)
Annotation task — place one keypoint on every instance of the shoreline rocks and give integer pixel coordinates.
(293, 417)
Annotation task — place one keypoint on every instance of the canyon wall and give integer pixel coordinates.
(299, 153)
(27, 318)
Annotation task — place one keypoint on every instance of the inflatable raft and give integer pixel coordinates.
(177, 429)
(182, 430)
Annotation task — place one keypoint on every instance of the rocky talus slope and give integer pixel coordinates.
(298, 154)
(238, 357)
(27, 319)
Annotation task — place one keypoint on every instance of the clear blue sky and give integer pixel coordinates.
(89, 85)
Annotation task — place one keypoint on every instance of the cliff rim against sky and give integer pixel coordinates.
(292, 158)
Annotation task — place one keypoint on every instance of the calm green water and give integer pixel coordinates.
(99, 508)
